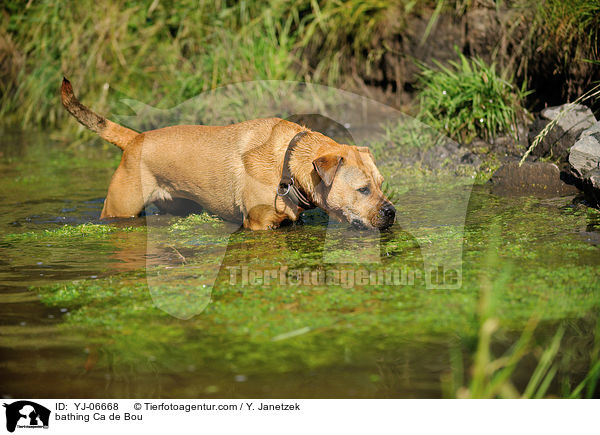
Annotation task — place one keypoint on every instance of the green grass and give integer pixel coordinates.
(163, 53)
(549, 44)
(469, 99)
(339, 39)
(571, 26)
(157, 52)
(491, 377)
(410, 134)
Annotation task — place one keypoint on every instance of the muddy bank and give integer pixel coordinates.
(499, 33)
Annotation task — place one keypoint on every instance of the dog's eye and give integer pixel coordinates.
(364, 190)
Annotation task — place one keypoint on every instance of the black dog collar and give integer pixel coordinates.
(287, 187)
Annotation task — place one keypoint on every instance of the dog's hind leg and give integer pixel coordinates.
(125, 197)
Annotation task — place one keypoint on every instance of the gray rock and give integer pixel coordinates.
(594, 129)
(591, 187)
(555, 145)
(584, 158)
(509, 145)
(585, 154)
(564, 134)
(470, 159)
(595, 179)
(576, 120)
(540, 179)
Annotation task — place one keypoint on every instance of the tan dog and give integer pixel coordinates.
(235, 171)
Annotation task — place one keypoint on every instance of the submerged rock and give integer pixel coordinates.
(563, 135)
(541, 179)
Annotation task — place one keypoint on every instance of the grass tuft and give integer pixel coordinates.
(469, 99)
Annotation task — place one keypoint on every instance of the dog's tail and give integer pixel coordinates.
(107, 130)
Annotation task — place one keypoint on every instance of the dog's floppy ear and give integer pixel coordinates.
(326, 166)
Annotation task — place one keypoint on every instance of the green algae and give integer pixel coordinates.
(72, 232)
(543, 269)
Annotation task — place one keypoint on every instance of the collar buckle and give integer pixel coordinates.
(284, 188)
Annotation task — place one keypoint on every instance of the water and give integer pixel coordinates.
(82, 311)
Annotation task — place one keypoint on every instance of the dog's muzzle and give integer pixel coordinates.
(386, 216)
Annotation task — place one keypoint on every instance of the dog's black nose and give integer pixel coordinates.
(388, 212)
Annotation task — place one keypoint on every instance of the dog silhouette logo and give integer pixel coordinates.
(26, 414)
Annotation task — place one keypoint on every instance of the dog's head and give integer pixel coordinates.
(349, 185)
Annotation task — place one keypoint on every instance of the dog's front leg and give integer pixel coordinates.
(256, 226)
(263, 217)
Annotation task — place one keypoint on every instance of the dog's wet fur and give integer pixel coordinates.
(234, 171)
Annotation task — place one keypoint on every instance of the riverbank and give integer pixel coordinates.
(163, 53)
